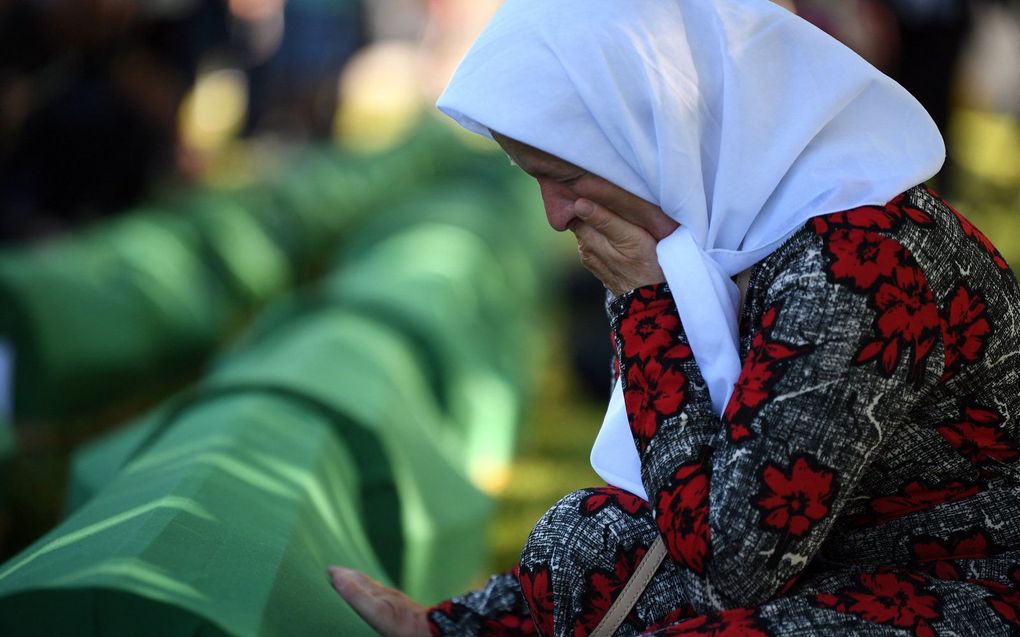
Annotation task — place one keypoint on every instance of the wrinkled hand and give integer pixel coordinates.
(621, 254)
(387, 610)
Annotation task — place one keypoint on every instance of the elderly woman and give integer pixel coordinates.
(814, 429)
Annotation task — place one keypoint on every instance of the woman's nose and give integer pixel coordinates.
(559, 204)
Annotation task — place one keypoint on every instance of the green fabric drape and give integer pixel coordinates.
(221, 527)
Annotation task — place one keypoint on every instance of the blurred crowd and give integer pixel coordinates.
(92, 92)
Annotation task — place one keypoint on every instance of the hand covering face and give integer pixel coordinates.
(737, 118)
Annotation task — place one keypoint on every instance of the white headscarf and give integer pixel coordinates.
(737, 118)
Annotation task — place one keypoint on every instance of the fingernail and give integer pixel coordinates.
(340, 573)
(583, 208)
(343, 580)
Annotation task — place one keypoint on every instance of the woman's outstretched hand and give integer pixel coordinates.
(387, 610)
(621, 254)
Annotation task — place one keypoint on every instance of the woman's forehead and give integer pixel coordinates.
(531, 160)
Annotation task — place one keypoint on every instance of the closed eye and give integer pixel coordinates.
(571, 178)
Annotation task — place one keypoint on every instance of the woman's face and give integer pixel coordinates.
(562, 183)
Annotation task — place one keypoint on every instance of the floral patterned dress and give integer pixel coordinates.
(863, 479)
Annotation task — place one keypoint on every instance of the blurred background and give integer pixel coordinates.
(221, 215)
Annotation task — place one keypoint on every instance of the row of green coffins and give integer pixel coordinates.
(342, 429)
(96, 317)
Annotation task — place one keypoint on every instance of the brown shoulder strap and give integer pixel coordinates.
(632, 590)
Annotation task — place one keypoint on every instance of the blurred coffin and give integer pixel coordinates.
(355, 422)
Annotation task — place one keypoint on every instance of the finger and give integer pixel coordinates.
(591, 242)
(388, 611)
(356, 589)
(595, 262)
(618, 230)
(352, 586)
(605, 259)
(596, 253)
(614, 266)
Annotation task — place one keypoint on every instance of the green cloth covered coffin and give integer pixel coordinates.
(223, 525)
(102, 315)
(443, 285)
(98, 316)
(425, 518)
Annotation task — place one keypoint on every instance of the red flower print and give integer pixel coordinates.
(677, 354)
(672, 617)
(738, 431)
(863, 218)
(965, 329)
(758, 376)
(598, 499)
(1006, 601)
(603, 588)
(883, 218)
(862, 259)
(736, 622)
(788, 586)
(650, 323)
(978, 437)
(894, 599)
(900, 206)
(537, 591)
(1007, 606)
(508, 625)
(769, 318)
(793, 501)
(651, 393)
(973, 544)
(971, 231)
(917, 496)
(907, 318)
(453, 612)
(992, 585)
(682, 515)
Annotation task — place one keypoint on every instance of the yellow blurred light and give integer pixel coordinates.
(987, 144)
(380, 96)
(492, 480)
(213, 112)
